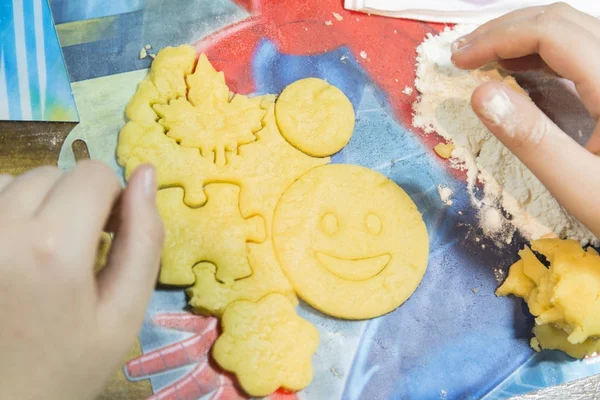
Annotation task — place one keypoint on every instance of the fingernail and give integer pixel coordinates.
(498, 109)
(459, 45)
(149, 183)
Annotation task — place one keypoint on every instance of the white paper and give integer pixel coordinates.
(456, 11)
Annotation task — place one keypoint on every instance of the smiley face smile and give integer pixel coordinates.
(354, 269)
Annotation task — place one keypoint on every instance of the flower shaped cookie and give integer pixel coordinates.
(266, 345)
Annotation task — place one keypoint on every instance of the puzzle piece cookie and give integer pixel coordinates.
(352, 242)
(210, 297)
(215, 232)
(175, 165)
(315, 117)
(266, 345)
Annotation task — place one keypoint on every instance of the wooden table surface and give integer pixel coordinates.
(27, 145)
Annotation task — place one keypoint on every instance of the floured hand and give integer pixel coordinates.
(557, 39)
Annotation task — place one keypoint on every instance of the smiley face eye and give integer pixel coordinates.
(373, 223)
(329, 223)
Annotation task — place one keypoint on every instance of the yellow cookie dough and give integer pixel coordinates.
(549, 337)
(102, 252)
(564, 298)
(444, 150)
(352, 242)
(266, 345)
(215, 233)
(315, 117)
(263, 169)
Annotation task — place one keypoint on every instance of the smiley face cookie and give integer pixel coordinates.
(351, 242)
(266, 345)
(315, 117)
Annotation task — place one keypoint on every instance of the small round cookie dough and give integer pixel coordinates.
(352, 242)
(315, 117)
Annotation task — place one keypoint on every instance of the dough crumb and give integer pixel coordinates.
(395, 31)
(444, 150)
(363, 54)
(336, 373)
(475, 290)
(407, 90)
(143, 53)
(147, 47)
(337, 16)
(328, 23)
(445, 194)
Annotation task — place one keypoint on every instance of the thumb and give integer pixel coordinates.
(559, 162)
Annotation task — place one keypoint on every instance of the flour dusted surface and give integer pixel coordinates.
(444, 107)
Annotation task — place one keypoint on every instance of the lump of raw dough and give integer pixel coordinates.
(564, 298)
(444, 150)
(315, 117)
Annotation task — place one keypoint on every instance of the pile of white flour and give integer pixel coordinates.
(512, 197)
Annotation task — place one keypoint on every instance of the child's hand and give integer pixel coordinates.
(554, 38)
(63, 330)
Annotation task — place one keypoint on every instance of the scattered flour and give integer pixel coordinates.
(328, 23)
(444, 107)
(407, 90)
(492, 221)
(363, 54)
(445, 194)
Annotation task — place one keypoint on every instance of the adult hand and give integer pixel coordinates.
(554, 38)
(63, 328)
